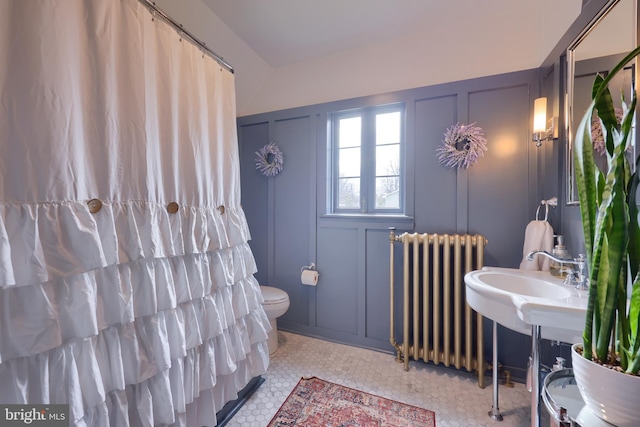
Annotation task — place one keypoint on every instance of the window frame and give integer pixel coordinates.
(367, 160)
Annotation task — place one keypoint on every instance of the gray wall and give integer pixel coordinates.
(496, 197)
(290, 227)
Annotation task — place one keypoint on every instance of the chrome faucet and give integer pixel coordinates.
(575, 278)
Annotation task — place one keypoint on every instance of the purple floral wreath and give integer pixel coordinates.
(269, 160)
(462, 146)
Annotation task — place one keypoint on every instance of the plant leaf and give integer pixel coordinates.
(606, 111)
(586, 181)
(586, 171)
(611, 245)
(634, 323)
(610, 222)
(634, 224)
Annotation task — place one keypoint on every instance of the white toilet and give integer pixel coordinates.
(276, 303)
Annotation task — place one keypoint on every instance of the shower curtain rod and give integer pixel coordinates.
(152, 6)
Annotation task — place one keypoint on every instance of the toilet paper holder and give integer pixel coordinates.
(312, 266)
(309, 275)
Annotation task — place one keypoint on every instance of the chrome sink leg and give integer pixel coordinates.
(495, 410)
(535, 376)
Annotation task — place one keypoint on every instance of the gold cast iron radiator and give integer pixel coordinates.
(435, 314)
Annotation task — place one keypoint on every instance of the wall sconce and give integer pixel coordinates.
(542, 129)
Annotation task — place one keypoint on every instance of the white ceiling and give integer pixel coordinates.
(288, 53)
(284, 32)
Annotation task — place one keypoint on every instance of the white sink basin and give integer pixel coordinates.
(518, 299)
(523, 285)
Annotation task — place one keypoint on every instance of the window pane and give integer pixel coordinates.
(349, 162)
(350, 132)
(349, 193)
(388, 160)
(365, 152)
(388, 128)
(388, 193)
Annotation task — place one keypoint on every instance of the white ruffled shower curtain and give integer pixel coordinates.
(131, 314)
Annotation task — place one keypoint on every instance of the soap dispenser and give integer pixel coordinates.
(559, 269)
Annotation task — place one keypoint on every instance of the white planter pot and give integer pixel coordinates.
(609, 394)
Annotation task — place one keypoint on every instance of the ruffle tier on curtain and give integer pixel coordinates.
(126, 279)
(162, 330)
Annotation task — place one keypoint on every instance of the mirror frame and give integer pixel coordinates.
(571, 196)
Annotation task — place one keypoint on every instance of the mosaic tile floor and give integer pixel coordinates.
(453, 395)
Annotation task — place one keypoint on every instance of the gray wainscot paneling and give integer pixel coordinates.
(376, 286)
(255, 193)
(435, 185)
(498, 184)
(290, 226)
(291, 212)
(337, 302)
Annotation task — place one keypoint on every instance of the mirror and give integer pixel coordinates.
(605, 41)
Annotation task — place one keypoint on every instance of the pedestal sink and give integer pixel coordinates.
(533, 303)
(518, 299)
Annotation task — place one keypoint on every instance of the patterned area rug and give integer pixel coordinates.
(315, 402)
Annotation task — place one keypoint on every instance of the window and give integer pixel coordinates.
(366, 169)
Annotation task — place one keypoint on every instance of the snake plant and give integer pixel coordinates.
(609, 210)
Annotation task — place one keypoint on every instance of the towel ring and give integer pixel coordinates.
(553, 202)
(546, 212)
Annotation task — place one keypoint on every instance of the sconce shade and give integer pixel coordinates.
(540, 115)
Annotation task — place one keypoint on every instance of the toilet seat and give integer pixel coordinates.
(273, 296)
